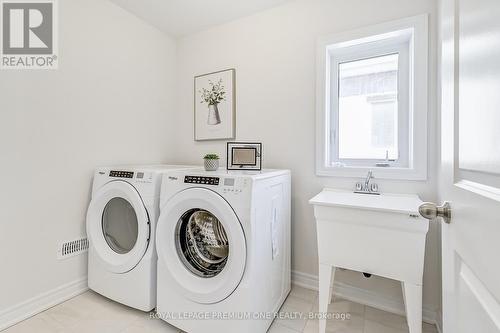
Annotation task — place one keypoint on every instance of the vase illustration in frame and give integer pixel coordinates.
(213, 114)
(214, 106)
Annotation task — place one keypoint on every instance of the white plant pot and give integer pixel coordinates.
(211, 165)
(213, 115)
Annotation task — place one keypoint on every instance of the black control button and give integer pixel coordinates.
(121, 174)
(201, 180)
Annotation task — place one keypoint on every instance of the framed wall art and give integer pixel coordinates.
(244, 156)
(214, 106)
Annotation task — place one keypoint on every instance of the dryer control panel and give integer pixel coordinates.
(201, 180)
(121, 174)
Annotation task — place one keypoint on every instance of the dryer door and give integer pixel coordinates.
(118, 226)
(201, 241)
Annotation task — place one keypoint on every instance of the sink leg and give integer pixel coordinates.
(330, 294)
(326, 278)
(412, 294)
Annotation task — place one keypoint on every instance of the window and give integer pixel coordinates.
(372, 101)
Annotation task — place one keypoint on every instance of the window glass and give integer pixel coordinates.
(119, 225)
(368, 108)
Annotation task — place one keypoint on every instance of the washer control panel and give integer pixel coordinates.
(121, 174)
(234, 186)
(202, 180)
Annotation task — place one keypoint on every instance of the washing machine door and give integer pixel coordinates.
(201, 241)
(118, 226)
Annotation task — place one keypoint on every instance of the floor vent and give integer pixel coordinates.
(72, 248)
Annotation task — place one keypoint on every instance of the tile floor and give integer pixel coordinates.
(90, 312)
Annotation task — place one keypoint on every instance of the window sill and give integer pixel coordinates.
(379, 172)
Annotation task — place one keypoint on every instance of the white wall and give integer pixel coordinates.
(107, 103)
(274, 56)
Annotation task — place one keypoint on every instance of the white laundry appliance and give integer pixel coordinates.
(121, 221)
(223, 242)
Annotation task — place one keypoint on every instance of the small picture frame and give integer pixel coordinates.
(244, 156)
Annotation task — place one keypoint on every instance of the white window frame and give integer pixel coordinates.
(398, 46)
(367, 42)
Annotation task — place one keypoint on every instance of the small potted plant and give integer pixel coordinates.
(211, 162)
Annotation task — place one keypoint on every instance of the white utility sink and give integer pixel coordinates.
(378, 234)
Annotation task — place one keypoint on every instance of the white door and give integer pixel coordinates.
(470, 177)
(202, 243)
(118, 226)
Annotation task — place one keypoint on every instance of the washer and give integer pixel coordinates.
(121, 221)
(223, 242)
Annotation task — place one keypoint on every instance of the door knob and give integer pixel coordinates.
(430, 211)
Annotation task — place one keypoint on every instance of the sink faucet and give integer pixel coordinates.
(366, 187)
(367, 181)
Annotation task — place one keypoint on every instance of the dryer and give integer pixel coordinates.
(223, 242)
(121, 221)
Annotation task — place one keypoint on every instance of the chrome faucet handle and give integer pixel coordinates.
(359, 186)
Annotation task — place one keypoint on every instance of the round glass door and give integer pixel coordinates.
(202, 243)
(201, 246)
(119, 225)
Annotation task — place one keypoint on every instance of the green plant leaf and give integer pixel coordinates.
(211, 157)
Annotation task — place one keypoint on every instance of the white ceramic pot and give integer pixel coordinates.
(211, 165)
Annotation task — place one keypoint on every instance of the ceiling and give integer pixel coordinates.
(182, 17)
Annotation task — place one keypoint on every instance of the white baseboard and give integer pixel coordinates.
(42, 302)
(363, 296)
